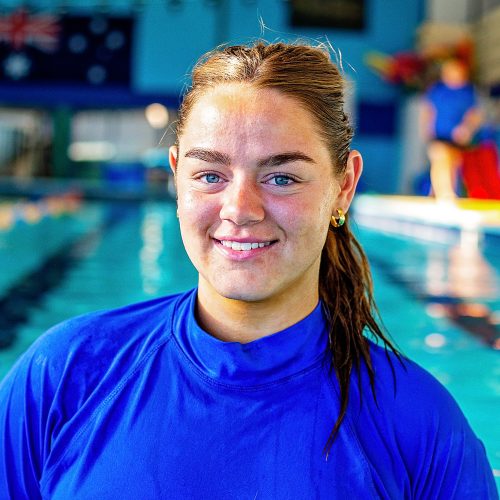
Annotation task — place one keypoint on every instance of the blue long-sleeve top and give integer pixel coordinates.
(140, 402)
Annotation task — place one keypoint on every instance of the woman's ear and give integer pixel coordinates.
(350, 180)
(172, 158)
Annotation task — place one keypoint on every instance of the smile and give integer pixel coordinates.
(237, 245)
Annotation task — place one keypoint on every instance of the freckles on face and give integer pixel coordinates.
(253, 169)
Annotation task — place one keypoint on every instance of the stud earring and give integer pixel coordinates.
(340, 220)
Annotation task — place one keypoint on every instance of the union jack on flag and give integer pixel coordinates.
(20, 28)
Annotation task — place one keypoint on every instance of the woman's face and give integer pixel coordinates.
(256, 191)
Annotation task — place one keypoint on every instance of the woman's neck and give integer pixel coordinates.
(242, 321)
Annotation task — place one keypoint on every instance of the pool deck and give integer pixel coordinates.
(463, 219)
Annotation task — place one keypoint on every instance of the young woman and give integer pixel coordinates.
(260, 383)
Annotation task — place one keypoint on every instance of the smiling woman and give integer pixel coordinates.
(264, 381)
(251, 170)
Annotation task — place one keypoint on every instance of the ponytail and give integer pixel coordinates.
(346, 290)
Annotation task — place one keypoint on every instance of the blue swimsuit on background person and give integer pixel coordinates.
(450, 105)
(141, 403)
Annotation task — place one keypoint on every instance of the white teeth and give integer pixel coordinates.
(236, 245)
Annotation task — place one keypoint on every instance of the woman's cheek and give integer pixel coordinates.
(306, 211)
(194, 203)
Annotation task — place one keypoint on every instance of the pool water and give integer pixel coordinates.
(413, 286)
(108, 254)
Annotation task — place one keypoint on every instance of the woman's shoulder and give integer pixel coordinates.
(405, 385)
(417, 408)
(83, 349)
(413, 416)
(111, 330)
(398, 370)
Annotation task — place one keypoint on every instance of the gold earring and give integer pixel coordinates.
(340, 220)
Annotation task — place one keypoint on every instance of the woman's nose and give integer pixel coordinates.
(242, 203)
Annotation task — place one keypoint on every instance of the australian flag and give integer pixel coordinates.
(46, 48)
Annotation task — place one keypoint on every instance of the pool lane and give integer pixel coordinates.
(118, 254)
(462, 283)
(27, 291)
(475, 318)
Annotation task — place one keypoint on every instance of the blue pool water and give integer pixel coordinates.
(107, 255)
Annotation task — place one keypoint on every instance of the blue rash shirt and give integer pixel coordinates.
(140, 402)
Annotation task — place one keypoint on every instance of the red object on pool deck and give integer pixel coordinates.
(480, 172)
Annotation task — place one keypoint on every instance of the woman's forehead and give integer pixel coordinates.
(236, 97)
(242, 109)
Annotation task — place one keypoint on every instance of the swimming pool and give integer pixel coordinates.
(431, 296)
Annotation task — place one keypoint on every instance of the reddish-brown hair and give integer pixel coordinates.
(307, 74)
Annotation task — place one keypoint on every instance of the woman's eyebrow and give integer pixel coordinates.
(275, 160)
(281, 158)
(208, 155)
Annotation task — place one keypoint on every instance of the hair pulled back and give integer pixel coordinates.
(308, 75)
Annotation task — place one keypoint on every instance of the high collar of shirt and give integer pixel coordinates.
(266, 360)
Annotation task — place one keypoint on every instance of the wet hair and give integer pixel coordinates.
(308, 75)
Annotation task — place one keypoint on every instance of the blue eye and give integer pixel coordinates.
(282, 180)
(211, 178)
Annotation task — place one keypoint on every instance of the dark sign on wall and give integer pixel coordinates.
(344, 14)
(65, 49)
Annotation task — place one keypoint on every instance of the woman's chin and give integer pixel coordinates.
(250, 292)
(253, 295)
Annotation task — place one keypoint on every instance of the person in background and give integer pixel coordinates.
(272, 379)
(452, 121)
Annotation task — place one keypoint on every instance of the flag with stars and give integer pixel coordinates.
(65, 49)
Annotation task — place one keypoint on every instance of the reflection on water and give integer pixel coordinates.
(152, 248)
(459, 282)
(461, 272)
